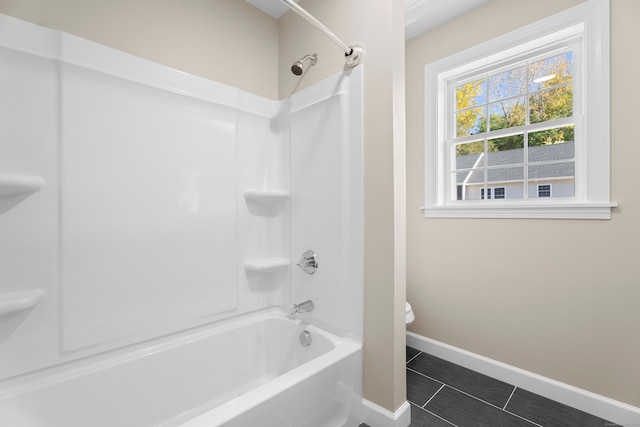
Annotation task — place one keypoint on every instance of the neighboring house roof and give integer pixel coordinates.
(543, 153)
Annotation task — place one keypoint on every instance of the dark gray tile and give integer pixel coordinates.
(411, 352)
(465, 411)
(420, 388)
(551, 413)
(476, 384)
(422, 418)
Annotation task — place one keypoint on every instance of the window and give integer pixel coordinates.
(544, 190)
(508, 120)
(493, 192)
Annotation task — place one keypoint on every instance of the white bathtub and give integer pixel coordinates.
(248, 371)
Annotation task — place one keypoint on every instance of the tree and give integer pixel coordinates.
(552, 100)
(467, 96)
(548, 83)
(470, 121)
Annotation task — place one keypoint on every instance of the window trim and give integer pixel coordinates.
(592, 192)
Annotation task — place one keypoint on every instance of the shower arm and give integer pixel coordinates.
(353, 54)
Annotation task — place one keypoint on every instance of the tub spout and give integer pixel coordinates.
(303, 307)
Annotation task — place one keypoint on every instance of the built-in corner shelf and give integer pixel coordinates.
(12, 185)
(19, 300)
(265, 202)
(266, 197)
(267, 265)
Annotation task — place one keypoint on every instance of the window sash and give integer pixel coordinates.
(489, 70)
(449, 148)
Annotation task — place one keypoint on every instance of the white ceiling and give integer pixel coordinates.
(274, 8)
(424, 15)
(420, 15)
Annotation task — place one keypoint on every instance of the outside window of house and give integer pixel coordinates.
(493, 192)
(544, 190)
(497, 124)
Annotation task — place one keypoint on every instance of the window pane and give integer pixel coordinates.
(551, 136)
(471, 94)
(507, 114)
(551, 104)
(552, 170)
(561, 151)
(507, 84)
(506, 150)
(499, 175)
(511, 179)
(471, 122)
(557, 188)
(469, 184)
(550, 72)
(470, 155)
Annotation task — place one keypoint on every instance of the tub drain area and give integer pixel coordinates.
(305, 338)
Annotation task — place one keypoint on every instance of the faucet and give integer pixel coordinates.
(303, 307)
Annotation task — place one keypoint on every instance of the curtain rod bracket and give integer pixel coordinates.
(354, 57)
(353, 54)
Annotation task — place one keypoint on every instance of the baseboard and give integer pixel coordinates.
(600, 406)
(377, 416)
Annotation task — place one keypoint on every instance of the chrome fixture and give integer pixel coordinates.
(298, 67)
(305, 338)
(303, 307)
(353, 54)
(308, 262)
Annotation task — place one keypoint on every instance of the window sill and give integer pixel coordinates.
(537, 211)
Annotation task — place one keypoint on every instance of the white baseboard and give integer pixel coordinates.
(377, 416)
(600, 406)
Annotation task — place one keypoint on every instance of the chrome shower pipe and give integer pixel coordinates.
(353, 54)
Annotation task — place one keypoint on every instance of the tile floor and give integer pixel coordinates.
(443, 394)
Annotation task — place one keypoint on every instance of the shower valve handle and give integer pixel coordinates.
(308, 262)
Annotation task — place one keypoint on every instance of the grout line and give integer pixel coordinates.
(434, 395)
(425, 375)
(419, 353)
(456, 389)
(475, 397)
(463, 392)
(435, 415)
(523, 418)
(491, 404)
(439, 417)
(504, 408)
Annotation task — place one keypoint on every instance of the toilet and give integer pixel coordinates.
(409, 316)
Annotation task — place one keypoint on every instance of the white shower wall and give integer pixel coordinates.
(170, 201)
(327, 201)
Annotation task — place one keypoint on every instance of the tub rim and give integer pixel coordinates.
(31, 381)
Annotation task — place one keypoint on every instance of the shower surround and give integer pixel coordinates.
(138, 202)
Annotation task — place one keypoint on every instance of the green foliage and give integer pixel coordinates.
(550, 98)
(467, 120)
(470, 148)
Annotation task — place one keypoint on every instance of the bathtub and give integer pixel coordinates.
(248, 371)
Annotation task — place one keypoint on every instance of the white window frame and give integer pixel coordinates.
(589, 24)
